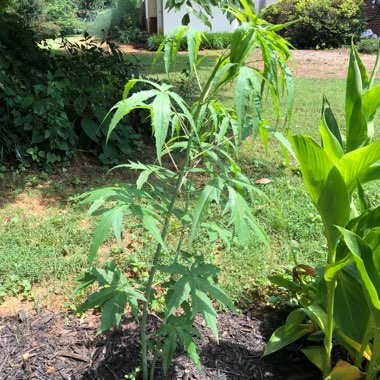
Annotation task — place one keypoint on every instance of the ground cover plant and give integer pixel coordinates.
(343, 303)
(208, 135)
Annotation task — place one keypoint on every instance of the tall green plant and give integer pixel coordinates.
(206, 136)
(333, 171)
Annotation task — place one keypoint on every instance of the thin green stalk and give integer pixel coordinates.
(165, 229)
(330, 317)
(148, 292)
(374, 364)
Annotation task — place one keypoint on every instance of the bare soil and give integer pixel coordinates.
(51, 346)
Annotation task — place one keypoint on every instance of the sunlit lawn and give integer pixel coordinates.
(47, 245)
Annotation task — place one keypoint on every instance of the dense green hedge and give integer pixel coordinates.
(214, 41)
(52, 104)
(321, 23)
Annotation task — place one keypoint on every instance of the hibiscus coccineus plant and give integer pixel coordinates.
(200, 140)
(344, 304)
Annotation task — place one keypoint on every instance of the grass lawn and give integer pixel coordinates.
(45, 236)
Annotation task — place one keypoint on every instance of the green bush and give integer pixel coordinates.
(214, 41)
(368, 46)
(29, 10)
(322, 23)
(48, 106)
(64, 14)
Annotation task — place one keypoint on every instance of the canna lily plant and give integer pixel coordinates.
(345, 305)
(205, 135)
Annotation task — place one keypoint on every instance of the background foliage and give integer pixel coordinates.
(48, 106)
(322, 23)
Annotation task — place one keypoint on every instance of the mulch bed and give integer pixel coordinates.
(52, 346)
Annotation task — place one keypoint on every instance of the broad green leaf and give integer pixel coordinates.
(111, 217)
(364, 201)
(351, 311)
(241, 218)
(293, 330)
(242, 43)
(317, 355)
(357, 83)
(362, 255)
(373, 240)
(330, 121)
(160, 111)
(330, 144)
(354, 165)
(210, 193)
(334, 205)
(370, 104)
(345, 371)
(90, 128)
(315, 164)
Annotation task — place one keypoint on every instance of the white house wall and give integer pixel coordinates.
(220, 23)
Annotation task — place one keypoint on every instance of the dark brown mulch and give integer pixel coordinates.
(50, 346)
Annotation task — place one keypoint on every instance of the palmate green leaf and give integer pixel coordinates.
(160, 113)
(178, 328)
(110, 218)
(149, 222)
(211, 193)
(241, 218)
(112, 297)
(243, 42)
(196, 282)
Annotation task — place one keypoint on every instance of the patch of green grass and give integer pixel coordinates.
(52, 246)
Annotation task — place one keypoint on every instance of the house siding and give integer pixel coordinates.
(372, 14)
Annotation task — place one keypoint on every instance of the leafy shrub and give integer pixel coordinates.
(64, 14)
(45, 30)
(131, 34)
(48, 106)
(121, 22)
(214, 41)
(368, 46)
(322, 23)
(29, 10)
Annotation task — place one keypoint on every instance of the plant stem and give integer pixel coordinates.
(165, 230)
(330, 317)
(374, 364)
